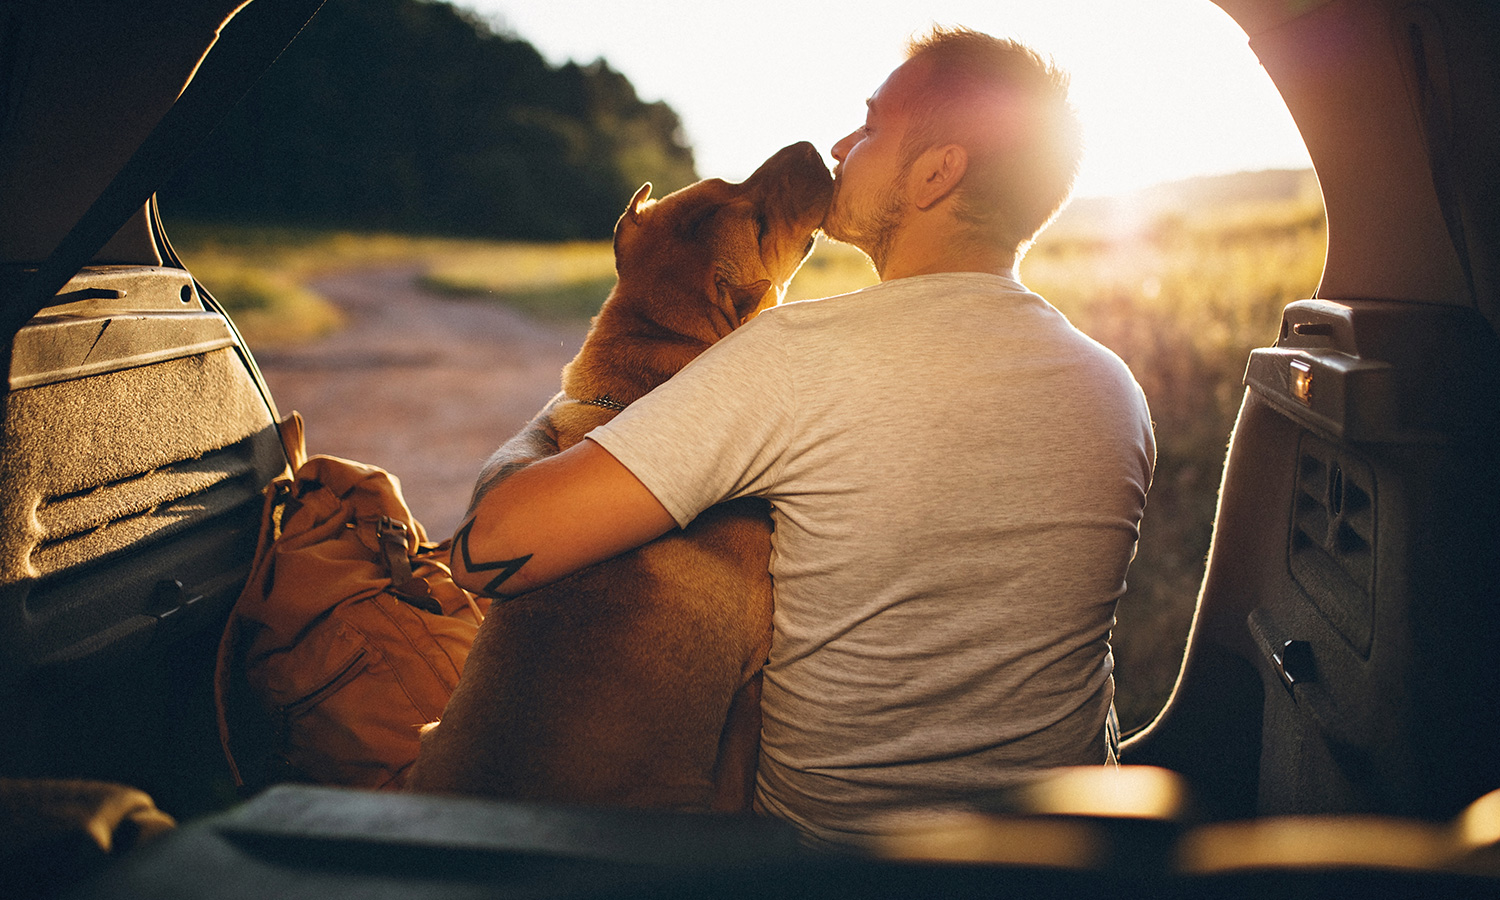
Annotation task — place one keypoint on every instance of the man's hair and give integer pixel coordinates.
(1008, 107)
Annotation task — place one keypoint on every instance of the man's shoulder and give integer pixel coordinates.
(914, 293)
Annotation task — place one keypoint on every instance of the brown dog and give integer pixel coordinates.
(614, 685)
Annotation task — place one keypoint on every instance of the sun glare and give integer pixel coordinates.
(1166, 89)
(1177, 94)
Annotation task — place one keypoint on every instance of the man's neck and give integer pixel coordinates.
(919, 251)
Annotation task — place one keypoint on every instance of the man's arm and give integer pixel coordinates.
(552, 518)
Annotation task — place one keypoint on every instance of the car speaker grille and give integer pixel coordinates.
(1332, 551)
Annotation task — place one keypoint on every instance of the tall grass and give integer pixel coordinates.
(554, 281)
(265, 277)
(1182, 298)
(571, 280)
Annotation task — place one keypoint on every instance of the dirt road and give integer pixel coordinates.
(423, 386)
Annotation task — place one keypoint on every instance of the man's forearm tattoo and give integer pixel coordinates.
(507, 567)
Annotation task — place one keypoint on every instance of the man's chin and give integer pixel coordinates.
(852, 242)
(835, 228)
(842, 238)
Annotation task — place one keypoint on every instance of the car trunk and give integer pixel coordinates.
(138, 436)
(1340, 659)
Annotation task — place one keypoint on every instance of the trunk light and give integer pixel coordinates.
(1302, 383)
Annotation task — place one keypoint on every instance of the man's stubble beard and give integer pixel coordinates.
(873, 232)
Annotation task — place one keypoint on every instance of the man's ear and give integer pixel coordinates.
(937, 173)
(625, 227)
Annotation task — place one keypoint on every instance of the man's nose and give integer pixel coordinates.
(841, 149)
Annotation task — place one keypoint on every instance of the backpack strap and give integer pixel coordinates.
(405, 585)
(293, 441)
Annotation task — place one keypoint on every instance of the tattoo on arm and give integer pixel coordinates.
(506, 568)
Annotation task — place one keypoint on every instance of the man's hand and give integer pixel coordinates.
(552, 518)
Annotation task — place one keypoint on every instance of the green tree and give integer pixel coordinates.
(415, 116)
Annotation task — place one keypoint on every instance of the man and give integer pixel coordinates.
(956, 473)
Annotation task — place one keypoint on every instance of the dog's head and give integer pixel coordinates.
(739, 244)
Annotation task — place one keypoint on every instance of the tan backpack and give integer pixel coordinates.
(348, 637)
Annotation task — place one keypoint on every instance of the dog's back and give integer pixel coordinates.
(635, 681)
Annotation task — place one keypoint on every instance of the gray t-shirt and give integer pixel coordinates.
(956, 476)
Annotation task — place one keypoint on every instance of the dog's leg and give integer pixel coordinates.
(536, 441)
(739, 751)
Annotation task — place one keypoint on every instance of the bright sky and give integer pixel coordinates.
(1166, 89)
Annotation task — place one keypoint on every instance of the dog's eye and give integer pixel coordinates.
(760, 227)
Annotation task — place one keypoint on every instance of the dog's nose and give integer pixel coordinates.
(799, 155)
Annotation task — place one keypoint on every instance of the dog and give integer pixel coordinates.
(635, 682)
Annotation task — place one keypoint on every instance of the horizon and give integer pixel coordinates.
(1166, 89)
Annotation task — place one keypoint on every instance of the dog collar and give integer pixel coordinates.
(605, 401)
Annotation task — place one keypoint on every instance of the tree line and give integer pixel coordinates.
(414, 116)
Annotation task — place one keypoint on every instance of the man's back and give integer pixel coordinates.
(957, 476)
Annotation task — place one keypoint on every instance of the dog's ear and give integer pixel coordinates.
(745, 298)
(641, 196)
(625, 228)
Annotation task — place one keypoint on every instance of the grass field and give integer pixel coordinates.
(1183, 301)
(1181, 296)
